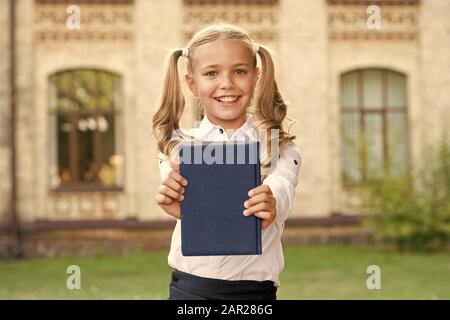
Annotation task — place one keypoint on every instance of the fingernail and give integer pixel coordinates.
(185, 182)
(246, 204)
(250, 193)
(182, 197)
(182, 190)
(245, 212)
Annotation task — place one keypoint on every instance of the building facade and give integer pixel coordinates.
(86, 167)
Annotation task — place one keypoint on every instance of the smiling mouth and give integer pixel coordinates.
(227, 99)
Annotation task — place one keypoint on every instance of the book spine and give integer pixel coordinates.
(257, 183)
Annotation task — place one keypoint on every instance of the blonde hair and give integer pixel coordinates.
(269, 109)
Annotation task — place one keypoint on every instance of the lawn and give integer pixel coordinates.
(311, 272)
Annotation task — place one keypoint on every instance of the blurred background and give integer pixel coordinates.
(367, 84)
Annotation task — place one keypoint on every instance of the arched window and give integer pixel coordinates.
(373, 125)
(85, 130)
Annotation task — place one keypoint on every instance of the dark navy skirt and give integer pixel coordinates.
(186, 286)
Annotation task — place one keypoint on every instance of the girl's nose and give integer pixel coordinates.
(227, 82)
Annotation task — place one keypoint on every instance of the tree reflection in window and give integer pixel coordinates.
(373, 125)
(85, 113)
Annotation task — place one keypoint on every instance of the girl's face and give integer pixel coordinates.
(223, 78)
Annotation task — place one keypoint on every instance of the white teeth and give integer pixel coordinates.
(227, 99)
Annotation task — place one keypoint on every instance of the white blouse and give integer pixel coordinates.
(282, 182)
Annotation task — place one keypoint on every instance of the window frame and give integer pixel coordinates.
(74, 115)
(361, 111)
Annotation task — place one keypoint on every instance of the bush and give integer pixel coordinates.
(415, 218)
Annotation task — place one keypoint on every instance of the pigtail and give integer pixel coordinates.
(171, 106)
(270, 109)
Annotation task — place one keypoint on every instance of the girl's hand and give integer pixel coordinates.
(170, 191)
(262, 204)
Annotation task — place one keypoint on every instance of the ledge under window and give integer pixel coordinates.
(86, 188)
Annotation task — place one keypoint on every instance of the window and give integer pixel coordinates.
(85, 130)
(373, 125)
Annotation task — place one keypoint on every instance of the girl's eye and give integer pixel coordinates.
(241, 71)
(210, 73)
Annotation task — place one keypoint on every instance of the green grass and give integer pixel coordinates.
(311, 272)
(339, 272)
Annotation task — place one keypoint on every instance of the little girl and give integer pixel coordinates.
(223, 75)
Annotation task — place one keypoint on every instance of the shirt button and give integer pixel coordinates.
(221, 130)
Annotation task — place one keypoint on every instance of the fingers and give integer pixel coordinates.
(261, 197)
(262, 206)
(260, 189)
(175, 175)
(173, 184)
(266, 218)
(162, 199)
(169, 192)
(171, 187)
(175, 166)
(265, 215)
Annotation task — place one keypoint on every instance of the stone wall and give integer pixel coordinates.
(434, 63)
(311, 50)
(5, 89)
(303, 76)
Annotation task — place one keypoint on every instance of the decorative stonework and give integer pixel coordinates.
(100, 21)
(349, 22)
(258, 17)
(377, 2)
(84, 1)
(231, 2)
(43, 36)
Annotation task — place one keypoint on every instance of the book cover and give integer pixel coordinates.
(220, 174)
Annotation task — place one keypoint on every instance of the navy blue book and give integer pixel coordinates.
(220, 174)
